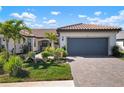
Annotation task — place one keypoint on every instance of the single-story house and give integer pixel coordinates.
(88, 39)
(36, 40)
(120, 39)
(78, 39)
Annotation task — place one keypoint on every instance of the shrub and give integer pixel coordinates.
(13, 66)
(21, 73)
(31, 54)
(50, 49)
(2, 48)
(2, 62)
(65, 53)
(57, 54)
(22, 56)
(5, 54)
(31, 57)
(64, 47)
(116, 51)
(60, 52)
(45, 55)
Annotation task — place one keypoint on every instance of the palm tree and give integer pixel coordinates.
(16, 27)
(5, 30)
(52, 37)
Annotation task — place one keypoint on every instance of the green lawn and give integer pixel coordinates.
(122, 58)
(42, 72)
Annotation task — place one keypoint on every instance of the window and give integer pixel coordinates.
(45, 43)
(34, 43)
(123, 43)
(29, 43)
(29, 40)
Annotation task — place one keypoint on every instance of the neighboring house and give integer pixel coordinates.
(88, 39)
(120, 39)
(11, 44)
(36, 41)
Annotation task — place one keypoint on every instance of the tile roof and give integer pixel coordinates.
(38, 33)
(120, 35)
(87, 27)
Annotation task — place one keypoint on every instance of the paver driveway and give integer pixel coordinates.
(97, 72)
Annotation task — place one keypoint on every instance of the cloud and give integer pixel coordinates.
(16, 15)
(25, 15)
(82, 16)
(55, 12)
(51, 21)
(94, 19)
(34, 25)
(0, 8)
(98, 13)
(115, 20)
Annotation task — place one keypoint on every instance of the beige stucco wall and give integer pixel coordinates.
(110, 35)
(120, 43)
(35, 48)
(18, 45)
(11, 44)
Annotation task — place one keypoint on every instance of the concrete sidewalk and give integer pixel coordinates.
(66, 83)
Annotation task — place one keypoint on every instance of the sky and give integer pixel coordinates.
(57, 16)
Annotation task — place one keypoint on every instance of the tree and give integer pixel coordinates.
(16, 27)
(52, 37)
(5, 30)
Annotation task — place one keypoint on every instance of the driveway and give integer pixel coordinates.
(97, 72)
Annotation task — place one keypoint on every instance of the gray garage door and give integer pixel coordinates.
(87, 46)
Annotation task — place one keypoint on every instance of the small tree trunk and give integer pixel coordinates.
(14, 47)
(52, 44)
(7, 49)
(7, 45)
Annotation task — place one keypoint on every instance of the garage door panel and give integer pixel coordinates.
(87, 46)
